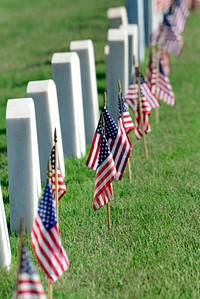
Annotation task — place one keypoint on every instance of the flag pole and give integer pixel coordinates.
(140, 111)
(154, 59)
(120, 98)
(56, 171)
(103, 130)
(21, 239)
(157, 82)
(134, 79)
(49, 174)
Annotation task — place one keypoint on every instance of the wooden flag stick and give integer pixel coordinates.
(103, 131)
(21, 239)
(120, 98)
(155, 59)
(140, 111)
(56, 171)
(49, 173)
(134, 65)
(50, 290)
(157, 82)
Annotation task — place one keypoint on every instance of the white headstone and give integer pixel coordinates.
(85, 51)
(23, 162)
(117, 16)
(5, 252)
(44, 95)
(67, 77)
(116, 67)
(135, 12)
(147, 21)
(132, 47)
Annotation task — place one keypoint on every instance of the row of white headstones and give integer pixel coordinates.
(67, 102)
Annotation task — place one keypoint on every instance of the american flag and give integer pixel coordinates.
(61, 184)
(106, 173)
(133, 103)
(125, 115)
(166, 35)
(132, 93)
(118, 143)
(162, 5)
(92, 160)
(181, 14)
(45, 238)
(29, 284)
(164, 58)
(163, 88)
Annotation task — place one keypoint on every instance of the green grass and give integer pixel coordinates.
(153, 248)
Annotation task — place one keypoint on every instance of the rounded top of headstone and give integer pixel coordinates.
(64, 57)
(80, 44)
(114, 12)
(20, 108)
(40, 86)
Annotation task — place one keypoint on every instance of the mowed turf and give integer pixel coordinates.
(153, 247)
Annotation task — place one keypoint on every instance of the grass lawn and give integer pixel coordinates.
(153, 248)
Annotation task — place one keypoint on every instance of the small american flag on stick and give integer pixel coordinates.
(118, 143)
(45, 238)
(106, 173)
(29, 284)
(132, 100)
(61, 184)
(180, 15)
(163, 87)
(167, 35)
(132, 93)
(124, 115)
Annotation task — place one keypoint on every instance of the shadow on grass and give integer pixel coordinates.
(100, 75)
(2, 131)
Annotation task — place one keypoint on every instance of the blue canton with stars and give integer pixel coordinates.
(99, 128)
(46, 209)
(52, 158)
(167, 18)
(121, 107)
(111, 128)
(161, 69)
(104, 151)
(26, 262)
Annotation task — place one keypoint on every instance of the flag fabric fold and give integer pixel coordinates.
(105, 174)
(162, 5)
(133, 102)
(163, 87)
(180, 15)
(132, 93)
(125, 116)
(45, 238)
(167, 36)
(29, 285)
(118, 143)
(61, 184)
